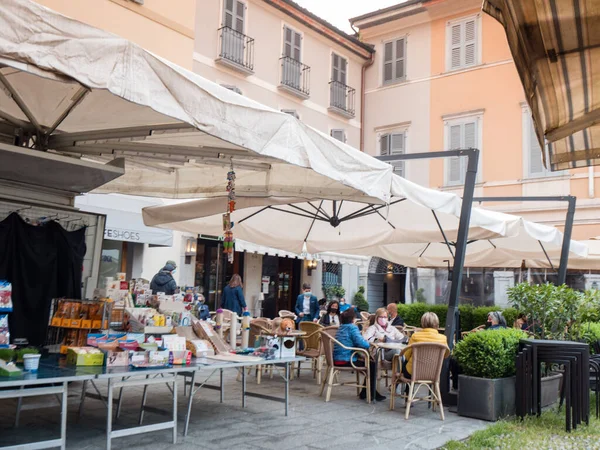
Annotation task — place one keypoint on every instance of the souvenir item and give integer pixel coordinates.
(5, 297)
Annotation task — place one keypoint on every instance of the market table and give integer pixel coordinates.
(46, 381)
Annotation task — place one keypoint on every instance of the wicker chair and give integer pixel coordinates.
(285, 314)
(328, 341)
(258, 327)
(427, 360)
(474, 330)
(409, 330)
(364, 315)
(312, 348)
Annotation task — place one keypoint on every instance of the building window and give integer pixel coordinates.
(532, 150)
(394, 61)
(332, 278)
(462, 43)
(291, 112)
(461, 133)
(237, 49)
(394, 144)
(295, 76)
(339, 134)
(341, 96)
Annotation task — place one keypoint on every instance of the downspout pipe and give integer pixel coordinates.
(362, 100)
(591, 175)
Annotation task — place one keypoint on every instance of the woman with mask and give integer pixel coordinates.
(332, 317)
(307, 305)
(383, 331)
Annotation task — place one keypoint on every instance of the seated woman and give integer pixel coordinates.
(496, 320)
(349, 335)
(521, 323)
(383, 331)
(332, 317)
(430, 324)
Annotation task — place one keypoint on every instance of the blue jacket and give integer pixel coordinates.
(314, 308)
(163, 281)
(233, 299)
(349, 335)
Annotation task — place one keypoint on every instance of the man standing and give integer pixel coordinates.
(395, 319)
(163, 281)
(307, 305)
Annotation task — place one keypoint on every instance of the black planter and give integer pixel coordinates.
(486, 399)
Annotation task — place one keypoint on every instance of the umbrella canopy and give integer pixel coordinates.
(314, 225)
(590, 262)
(556, 48)
(71, 88)
(539, 245)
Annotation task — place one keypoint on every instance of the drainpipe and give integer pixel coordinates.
(591, 180)
(362, 100)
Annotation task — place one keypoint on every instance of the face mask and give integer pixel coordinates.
(382, 321)
(334, 311)
(308, 294)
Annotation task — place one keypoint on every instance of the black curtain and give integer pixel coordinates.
(42, 262)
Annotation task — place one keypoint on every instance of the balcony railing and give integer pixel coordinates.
(295, 77)
(341, 98)
(236, 48)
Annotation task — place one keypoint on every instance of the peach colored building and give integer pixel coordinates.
(444, 78)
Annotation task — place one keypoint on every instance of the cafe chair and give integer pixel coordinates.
(328, 341)
(258, 327)
(427, 360)
(285, 314)
(364, 315)
(312, 348)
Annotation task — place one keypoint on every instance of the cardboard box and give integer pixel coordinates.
(159, 357)
(180, 358)
(287, 347)
(76, 357)
(116, 358)
(138, 357)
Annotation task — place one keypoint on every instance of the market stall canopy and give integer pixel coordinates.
(314, 225)
(556, 49)
(69, 88)
(537, 244)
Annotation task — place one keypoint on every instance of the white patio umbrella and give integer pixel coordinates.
(70, 88)
(314, 225)
(576, 262)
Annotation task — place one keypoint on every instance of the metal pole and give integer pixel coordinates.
(461, 243)
(564, 253)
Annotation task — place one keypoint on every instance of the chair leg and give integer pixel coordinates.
(299, 367)
(319, 362)
(357, 383)
(330, 384)
(409, 399)
(392, 394)
(439, 399)
(325, 379)
(259, 375)
(368, 387)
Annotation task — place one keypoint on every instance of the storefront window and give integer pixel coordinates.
(112, 255)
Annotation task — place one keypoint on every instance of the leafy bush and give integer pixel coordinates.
(359, 300)
(7, 354)
(590, 333)
(411, 314)
(490, 353)
(332, 292)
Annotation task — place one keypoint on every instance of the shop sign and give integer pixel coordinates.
(265, 284)
(116, 234)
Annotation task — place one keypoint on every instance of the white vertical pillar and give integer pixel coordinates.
(252, 281)
(426, 281)
(502, 282)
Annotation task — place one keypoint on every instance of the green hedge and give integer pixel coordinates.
(470, 316)
(489, 353)
(590, 332)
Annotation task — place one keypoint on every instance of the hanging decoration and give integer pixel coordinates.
(227, 225)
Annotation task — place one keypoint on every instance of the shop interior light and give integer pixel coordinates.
(311, 265)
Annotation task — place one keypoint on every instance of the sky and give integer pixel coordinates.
(338, 12)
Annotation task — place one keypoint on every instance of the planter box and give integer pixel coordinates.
(551, 389)
(486, 399)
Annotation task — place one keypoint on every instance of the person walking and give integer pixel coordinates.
(233, 296)
(307, 305)
(163, 281)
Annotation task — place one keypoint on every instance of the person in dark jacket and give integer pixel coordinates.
(332, 317)
(163, 281)
(395, 319)
(307, 305)
(233, 296)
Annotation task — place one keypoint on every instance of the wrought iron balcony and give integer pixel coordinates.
(341, 99)
(237, 50)
(295, 77)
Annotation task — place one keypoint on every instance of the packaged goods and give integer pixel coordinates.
(200, 348)
(5, 297)
(4, 333)
(84, 356)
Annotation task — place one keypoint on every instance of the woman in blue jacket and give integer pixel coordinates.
(349, 335)
(233, 296)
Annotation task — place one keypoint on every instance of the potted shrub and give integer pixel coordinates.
(359, 299)
(486, 386)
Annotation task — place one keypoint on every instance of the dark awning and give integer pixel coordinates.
(556, 48)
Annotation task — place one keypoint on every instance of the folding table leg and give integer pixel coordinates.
(287, 387)
(120, 400)
(63, 417)
(222, 392)
(144, 396)
(109, 407)
(83, 393)
(175, 408)
(243, 388)
(19, 406)
(189, 408)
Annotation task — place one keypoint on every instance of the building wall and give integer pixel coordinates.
(154, 259)
(265, 25)
(252, 281)
(156, 25)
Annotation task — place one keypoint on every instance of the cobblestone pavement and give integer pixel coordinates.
(345, 422)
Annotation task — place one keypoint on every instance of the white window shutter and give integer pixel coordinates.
(384, 145)
(455, 46)
(470, 135)
(388, 65)
(397, 147)
(339, 134)
(470, 42)
(297, 46)
(400, 59)
(240, 10)
(287, 42)
(536, 166)
(454, 164)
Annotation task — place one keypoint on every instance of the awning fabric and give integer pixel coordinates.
(556, 49)
(591, 262)
(124, 220)
(80, 91)
(337, 258)
(531, 245)
(296, 225)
